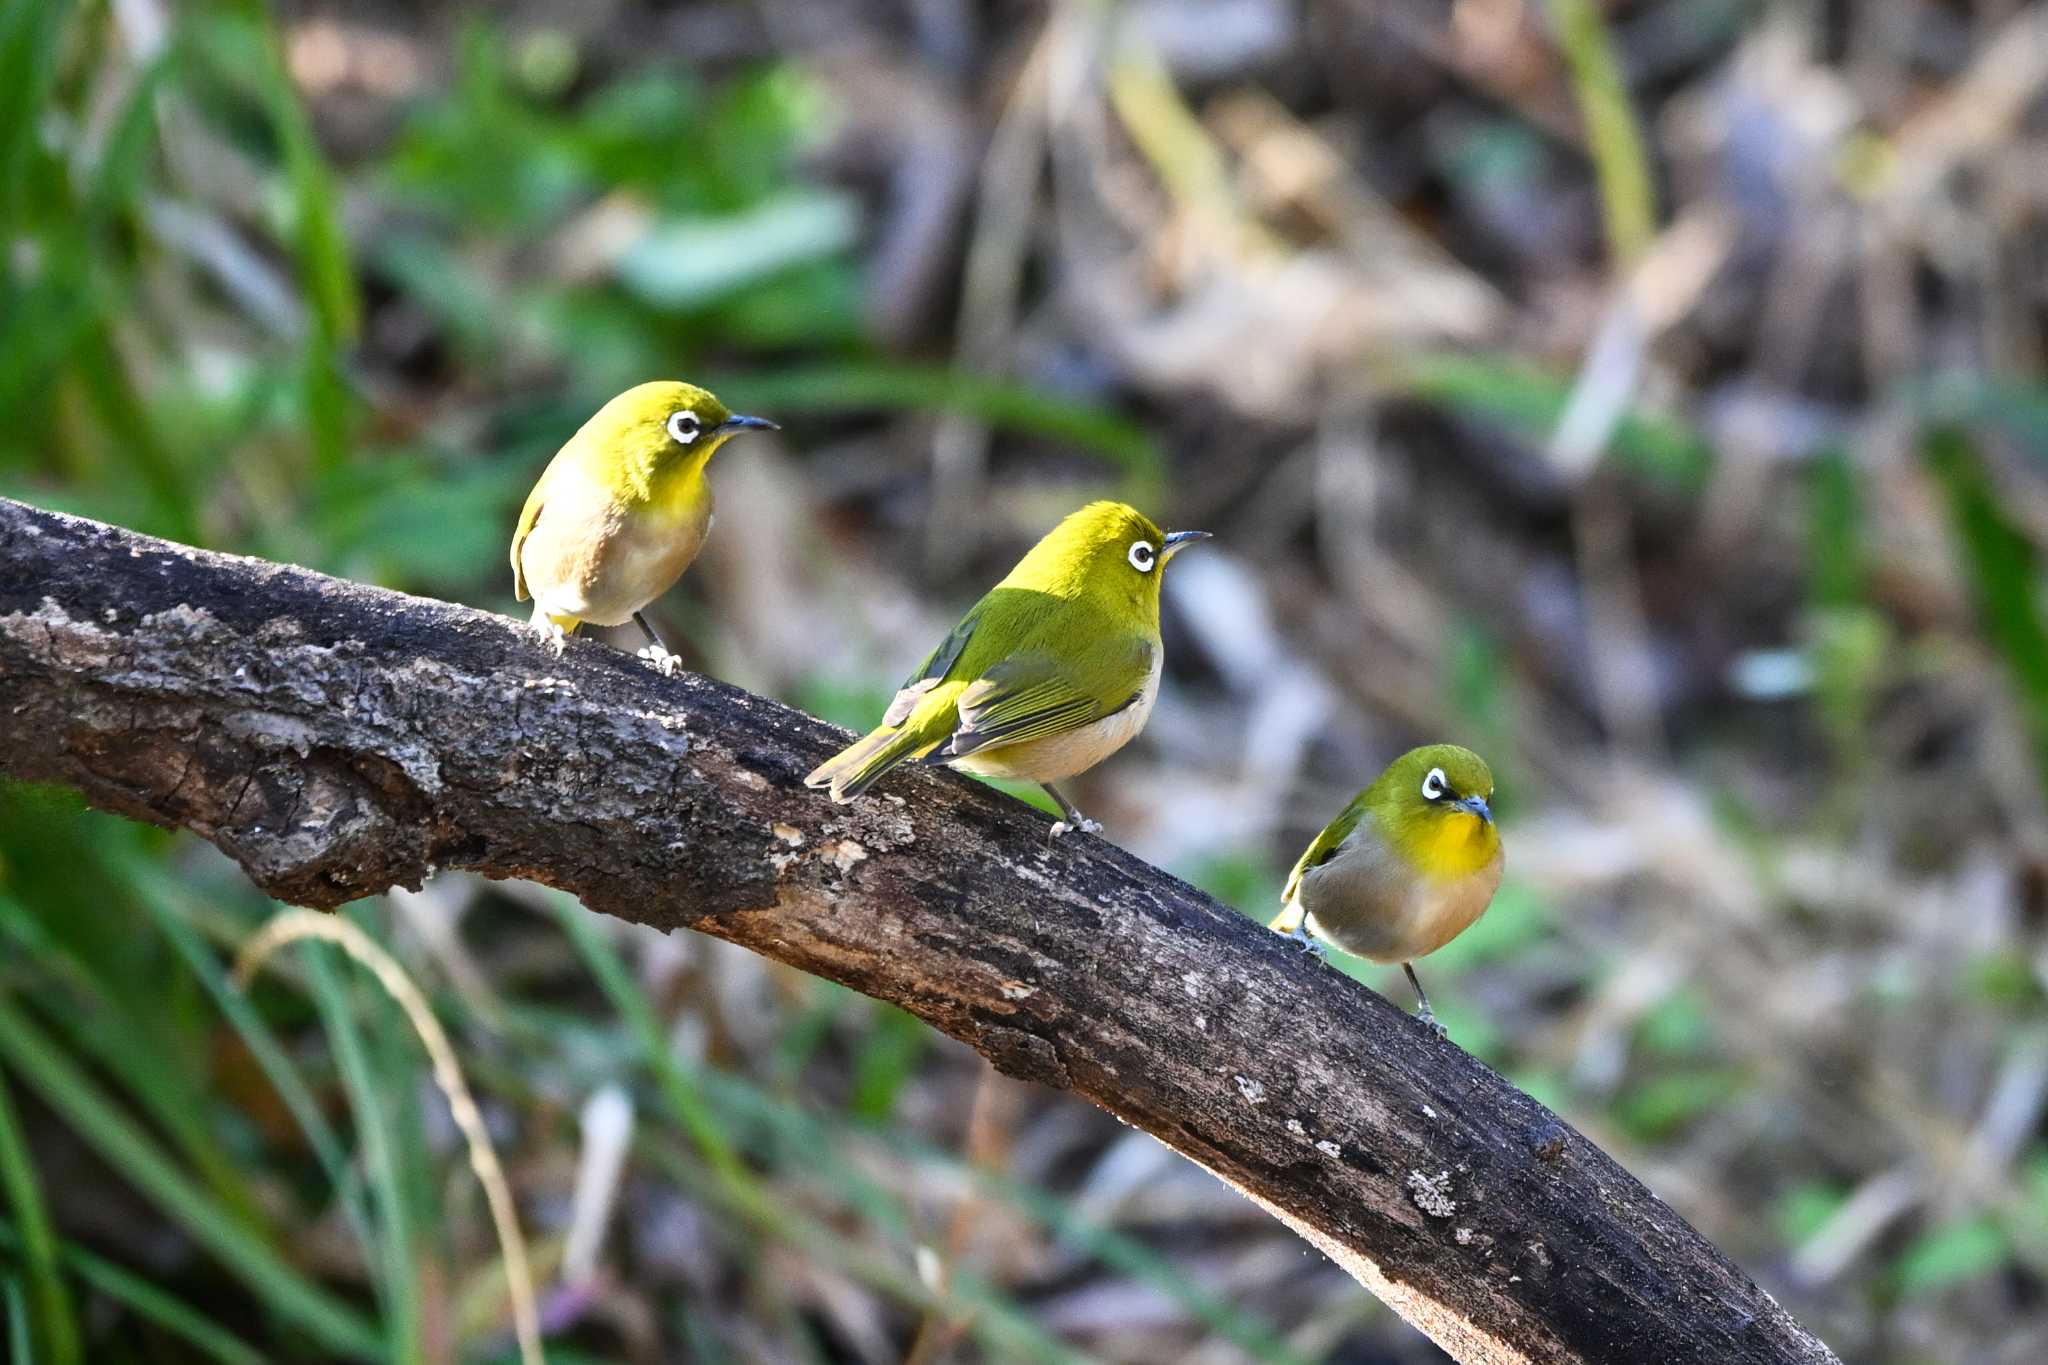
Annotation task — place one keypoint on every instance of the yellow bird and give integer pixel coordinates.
(621, 511)
(1408, 866)
(1051, 672)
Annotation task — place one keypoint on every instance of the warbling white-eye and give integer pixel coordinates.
(621, 511)
(1409, 865)
(1050, 673)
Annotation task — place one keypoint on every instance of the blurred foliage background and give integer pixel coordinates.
(1648, 393)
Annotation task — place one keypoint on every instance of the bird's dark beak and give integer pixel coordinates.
(737, 422)
(1180, 540)
(1477, 806)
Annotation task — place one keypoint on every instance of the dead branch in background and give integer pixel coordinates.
(338, 740)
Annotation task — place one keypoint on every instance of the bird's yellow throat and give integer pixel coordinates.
(1448, 845)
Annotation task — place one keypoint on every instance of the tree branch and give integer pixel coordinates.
(337, 740)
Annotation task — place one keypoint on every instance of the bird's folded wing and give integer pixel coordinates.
(528, 515)
(931, 674)
(1030, 696)
(1326, 846)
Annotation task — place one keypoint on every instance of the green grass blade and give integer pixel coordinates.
(114, 1033)
(821, 1149)
(21, 1342)
(1531, 402)
(58, 1327)
(998, 402)
(678, 1087)
(246, 51)
(30, 36)
(1836, 565)
(1999, 562)
(1006, 1330)
(146, 1301)
(283, 1074)
(1613, 137)
(377, 1132)
(103, 1127)
(319, 244)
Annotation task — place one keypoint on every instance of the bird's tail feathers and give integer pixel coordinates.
(862, 763)
(1289, 919)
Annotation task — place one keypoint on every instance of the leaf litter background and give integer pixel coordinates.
(1650, 395)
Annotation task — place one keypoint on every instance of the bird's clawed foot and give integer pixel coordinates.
(552, 637)
(1300, 935)
(665, 663)
(1071, 818)
(1429, 1021)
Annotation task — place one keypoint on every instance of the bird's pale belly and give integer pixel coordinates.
(605, 578)
(1054, 757)
(1356, 907)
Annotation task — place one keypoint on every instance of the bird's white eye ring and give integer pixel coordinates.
(684, 426)
(1142, 556)
(1434, 786)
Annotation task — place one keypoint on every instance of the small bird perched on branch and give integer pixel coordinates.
(1050, 673)
(1409, 865)
(621, 511)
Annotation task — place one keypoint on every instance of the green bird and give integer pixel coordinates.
(1408, 866)
(621, 511)
(1050, 673)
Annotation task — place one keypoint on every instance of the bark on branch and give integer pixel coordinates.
(337, 740)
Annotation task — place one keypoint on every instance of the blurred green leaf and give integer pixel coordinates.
(1803, 1210)
(1000, 403)
(1529, 403)
(1679, 1025)
(2004, 979)
(1999, 562)
(689, 262)
(1661, 1105)
(411, 522)
(1955, 1251)
(1834, 531)
(890, 1049)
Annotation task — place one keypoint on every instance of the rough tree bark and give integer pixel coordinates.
(337, 740)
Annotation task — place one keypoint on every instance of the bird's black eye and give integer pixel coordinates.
(684, 426)
(1142, 556)
(1434, 786)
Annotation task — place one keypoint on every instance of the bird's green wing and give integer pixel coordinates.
(932, 672)
(1324, 847)
(1031, 695)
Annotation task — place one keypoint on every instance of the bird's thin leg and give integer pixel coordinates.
(1425, 1014)
(655, 651)
(1074, 819)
